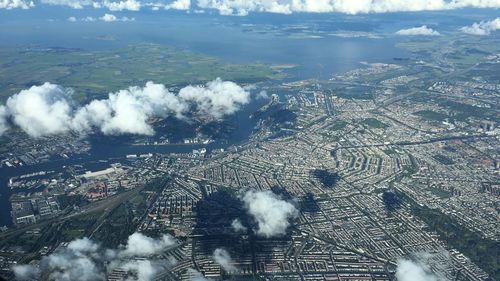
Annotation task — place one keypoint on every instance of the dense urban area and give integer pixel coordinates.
(340, 179)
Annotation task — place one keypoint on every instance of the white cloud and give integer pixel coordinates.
(75, 4)
(455, 4)
(140, 245)
(243, 7)
(76, 262)
(262, 95)
(111, 18)
(16, 4)
(48, 109)
(127, 111)
(130, 5)
(223, 258)
(231, 7)
(41, 110)
(83, 245)
(3, 119)
(108, 17)
(26, 272)
(89, 19)
(482, 28)
(415, 271)
(144, 269)
(271, 213)
(83, 260)
(238, 226)
(179, 5)
(418, 31)
(217, 99)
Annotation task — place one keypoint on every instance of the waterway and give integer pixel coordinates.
(103, 153)
(237, 40)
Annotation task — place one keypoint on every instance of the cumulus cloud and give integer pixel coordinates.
(223, 258)
(78, 261)
(16, 4)
(140, 245)
(179, 5)
(271, 213)
(262, 95)
(418, 31)
(3, 119)
(26, 272)
(408, 270)
(231, 7)
(238, 226)
(242, 8)
(482, 28)
(105, 18)
(217, 99)
(83, 245)
(41, 110)
(145, 269)
(48, 109)
(111, 18)
(128, 111)
(130, 5)
(75, 4)
(89, 19)
(83, 260)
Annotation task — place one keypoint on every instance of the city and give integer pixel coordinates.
(387, 169)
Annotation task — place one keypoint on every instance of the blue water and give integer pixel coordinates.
(226, 37)
(231, 38)
(117, 151)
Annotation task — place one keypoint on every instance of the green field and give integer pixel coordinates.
(390, 151)
(421, 45)
(339, 125)
(443, 159)
(455, 109)
(443, 194)
(482, 251)
(431, 115)
(457, 52)
(375, 123)
(96, 73)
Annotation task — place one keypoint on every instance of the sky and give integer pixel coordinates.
(244, 7)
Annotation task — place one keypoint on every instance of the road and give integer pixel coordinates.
(106, 205)
(410, 143)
